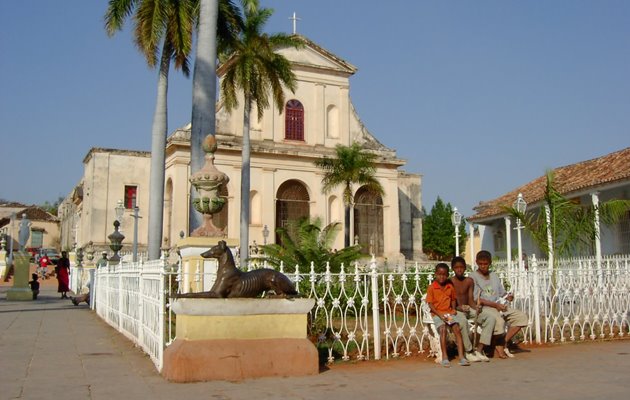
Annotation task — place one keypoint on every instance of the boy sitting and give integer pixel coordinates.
(441, 300)
(464, 290)
(490, 290)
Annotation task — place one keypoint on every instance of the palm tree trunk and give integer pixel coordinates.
(346, 240)
(204, 95)
(158, 148)
(245, 185)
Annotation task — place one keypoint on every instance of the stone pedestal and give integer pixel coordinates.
(198, 273)
(236, 339)
(20, 289)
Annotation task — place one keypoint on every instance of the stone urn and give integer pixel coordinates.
(208, 181)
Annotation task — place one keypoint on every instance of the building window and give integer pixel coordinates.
(294, 121)
(131, 193)
(37, 238)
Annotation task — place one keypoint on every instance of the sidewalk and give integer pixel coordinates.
(51, 349)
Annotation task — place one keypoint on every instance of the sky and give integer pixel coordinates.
(479, 97)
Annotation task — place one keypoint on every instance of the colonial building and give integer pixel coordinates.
(587, 182)
(285, 184)
(109, 176)
(44, 226)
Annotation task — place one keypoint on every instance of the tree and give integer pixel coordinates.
(165, 25)
(53, 207)
(572, 225)
(255, 70)
(438, 233)
(168, 23)
(310, 244)
(351, 165)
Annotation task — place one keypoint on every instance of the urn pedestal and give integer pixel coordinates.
(236, 339)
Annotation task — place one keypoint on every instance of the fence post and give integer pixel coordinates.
(92, 291)
(140, 303)
(120, 297)
(536, 299)
(376, 321)
(161, 314)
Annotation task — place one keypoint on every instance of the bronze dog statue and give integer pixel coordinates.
(232, 282)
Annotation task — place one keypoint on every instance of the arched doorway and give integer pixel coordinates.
(292, 204)
(368, 221)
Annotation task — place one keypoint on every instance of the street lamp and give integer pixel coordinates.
(520, 205)
(265, 233)
(135, 216)
(456, 219)
(120, 211)
(13, 216)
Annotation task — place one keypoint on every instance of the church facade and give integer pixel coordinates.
(285, 184)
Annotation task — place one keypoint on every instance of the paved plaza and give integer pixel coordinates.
(51, 349)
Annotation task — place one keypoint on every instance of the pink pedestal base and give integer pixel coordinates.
(238, 359)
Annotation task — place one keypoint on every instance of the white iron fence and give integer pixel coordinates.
(363, 313)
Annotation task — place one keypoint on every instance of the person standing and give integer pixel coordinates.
(44, 261)
(63, 275)
(34, 284)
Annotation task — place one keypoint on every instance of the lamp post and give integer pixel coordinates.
(135, 216)
(520, 205)
(456, 219)
(265, 233)
(13, 215)
(120, 211)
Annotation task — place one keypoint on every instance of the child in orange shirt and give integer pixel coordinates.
(441, 299)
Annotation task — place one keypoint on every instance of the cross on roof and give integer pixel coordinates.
(294, 18)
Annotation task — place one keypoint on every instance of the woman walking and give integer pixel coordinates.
(63, 275)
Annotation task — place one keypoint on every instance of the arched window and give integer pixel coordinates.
(292, 204)
(368, 221)
(294, 120)
(332, 122)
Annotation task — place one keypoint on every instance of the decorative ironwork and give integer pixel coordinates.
(575, 301)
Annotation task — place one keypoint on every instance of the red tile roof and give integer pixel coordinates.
(605, 170)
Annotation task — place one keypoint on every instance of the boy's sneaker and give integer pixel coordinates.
(481, 356)
(507, 353)
(472, 357)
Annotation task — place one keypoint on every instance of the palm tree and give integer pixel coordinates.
(204, 96)
(352, 165)
(310, 243)
(254, 69)
(167, 24)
